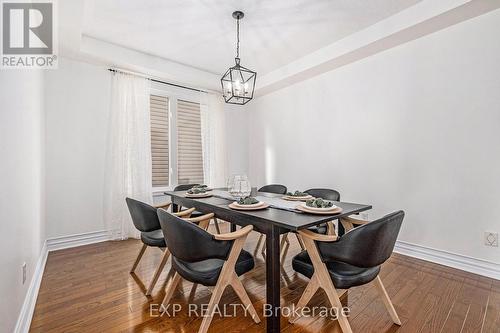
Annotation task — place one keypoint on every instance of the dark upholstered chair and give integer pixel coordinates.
(186, 187)
(274, 188)
(145, 220)
(327, 194)
(326, 228)
(210, 260)
(352, 260)
(324, 193)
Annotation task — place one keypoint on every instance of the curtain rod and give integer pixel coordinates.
(156, 80)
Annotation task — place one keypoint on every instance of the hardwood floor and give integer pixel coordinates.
(90, 289)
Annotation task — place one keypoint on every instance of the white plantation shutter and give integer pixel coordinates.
(189, 148)
(159, 140)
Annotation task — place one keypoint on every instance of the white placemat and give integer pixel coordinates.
(222, 194)
(279, 203)
(273, 202)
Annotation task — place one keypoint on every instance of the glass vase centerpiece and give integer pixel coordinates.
(239, 187)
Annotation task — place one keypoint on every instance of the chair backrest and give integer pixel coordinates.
(368, 245)
(188, 242)
(143, 215)
(324, 193)
(274, 188)
(184, 187)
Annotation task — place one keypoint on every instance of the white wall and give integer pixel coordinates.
(77, 106)
(22, 224)
(415, 128)
(237, 139)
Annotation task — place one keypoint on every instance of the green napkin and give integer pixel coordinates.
(297, 194)
(247, 201)
(319, 203)
(197, 190)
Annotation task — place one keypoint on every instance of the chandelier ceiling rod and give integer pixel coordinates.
(238, 36)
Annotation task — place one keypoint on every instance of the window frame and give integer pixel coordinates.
(173, 94)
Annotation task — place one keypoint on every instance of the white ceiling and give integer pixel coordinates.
(202, 33)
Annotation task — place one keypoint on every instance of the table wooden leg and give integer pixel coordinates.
(175, 207)
(272, 309)
(341, 230)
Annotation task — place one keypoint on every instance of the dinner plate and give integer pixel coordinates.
(257, 206)
(322, 211)
(260, 203)
(291, 198)
(304, 205)
(199, 195)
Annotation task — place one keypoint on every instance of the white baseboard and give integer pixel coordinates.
(52, 244)
(24, 319)
(67, 242)
(465, 263)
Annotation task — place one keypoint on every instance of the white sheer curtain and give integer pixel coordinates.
(128, 160)
(213, 140)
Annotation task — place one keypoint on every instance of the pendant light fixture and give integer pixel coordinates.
(238, 83)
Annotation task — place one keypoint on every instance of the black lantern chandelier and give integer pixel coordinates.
(238, 83)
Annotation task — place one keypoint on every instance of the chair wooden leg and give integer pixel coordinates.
(263, 249)
(334, 299)
(308, 293)
(283, 253)
(214, 300)
(204, 224)
(242, 294)
(259, 241)
(139, 256)
(284, 240)
(217, 228)
(348, 226)
(158, 272)
(284, 245)
(192, 292)
(172, 285)
(387, 301)
(259, 244)
(226, 277)
(300, 242)
(324, 281)
(330, 228)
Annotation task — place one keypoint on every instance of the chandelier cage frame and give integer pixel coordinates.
(238, 82)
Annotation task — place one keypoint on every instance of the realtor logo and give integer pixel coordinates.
(28, 34)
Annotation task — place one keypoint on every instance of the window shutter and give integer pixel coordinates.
(159, 140)
(189, 149)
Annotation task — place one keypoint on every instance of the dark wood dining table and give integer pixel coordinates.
(272, 222)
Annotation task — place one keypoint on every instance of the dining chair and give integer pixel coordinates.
(277, 189)
(354, 259)
(327, 194)
(184, 187)
(211, 260)
(145, 220)
(325, 228)
(187, 187)
(274, 188)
